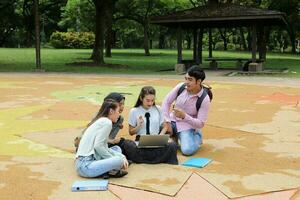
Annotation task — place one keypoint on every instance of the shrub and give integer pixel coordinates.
(72, 40)
(219, 46)
(231, 46)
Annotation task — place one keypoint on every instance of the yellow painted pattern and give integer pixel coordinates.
(12, 126)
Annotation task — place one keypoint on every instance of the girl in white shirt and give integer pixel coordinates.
(144, 106)
(139, 125)
(93, 157)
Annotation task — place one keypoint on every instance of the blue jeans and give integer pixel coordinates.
(190, 140)
(87, 166)
(116, 148)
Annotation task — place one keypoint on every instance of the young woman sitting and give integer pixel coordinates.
(93, 157)
(146, 118)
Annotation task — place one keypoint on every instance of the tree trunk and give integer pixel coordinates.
(109, 21)
(146, 37)
(209, 43)
(189, 41)
(267, 35)
(97, 55)
(161, 40)
(37, 35)
(242, 39)
(224, 38)
(113, 38)
(291, 33)
(28, 16)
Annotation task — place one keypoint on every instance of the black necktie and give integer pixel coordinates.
(147, 115)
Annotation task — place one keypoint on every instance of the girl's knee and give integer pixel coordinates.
(187, 151)
(116, 148)
(119, 161)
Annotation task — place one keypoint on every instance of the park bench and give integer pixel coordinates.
(242, 64)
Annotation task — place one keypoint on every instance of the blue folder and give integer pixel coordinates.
(197, 162)
(89, 185)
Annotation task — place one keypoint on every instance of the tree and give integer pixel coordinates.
(139, 11)
(97, 55)
(109, 24)
(37, 35)
(10, 20)
(50, 16)
(78, 15)
(290, 7)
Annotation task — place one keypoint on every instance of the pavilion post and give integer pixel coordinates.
(195, 49)
(209, 43)
(200, 44)
(261, 43)
(253, 44)
(179, 44)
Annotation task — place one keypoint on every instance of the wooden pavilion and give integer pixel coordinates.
(219, 15)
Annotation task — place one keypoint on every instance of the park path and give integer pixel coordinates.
(219, 76)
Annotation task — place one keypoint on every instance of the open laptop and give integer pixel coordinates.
(153, 141)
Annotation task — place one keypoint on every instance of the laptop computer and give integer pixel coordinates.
(153, 141)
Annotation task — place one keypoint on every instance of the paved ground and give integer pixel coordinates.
(252, 136)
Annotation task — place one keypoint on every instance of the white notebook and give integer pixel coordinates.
(89, 185)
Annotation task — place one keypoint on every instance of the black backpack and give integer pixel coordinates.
(206, 91)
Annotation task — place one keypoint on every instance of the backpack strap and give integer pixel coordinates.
(199, 100)
(182, 87)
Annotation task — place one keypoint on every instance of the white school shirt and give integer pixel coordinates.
(94, 140)
(156, 119)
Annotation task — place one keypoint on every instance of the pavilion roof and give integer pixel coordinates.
(221, 15)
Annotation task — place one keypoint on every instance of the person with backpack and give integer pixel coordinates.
(189, 113)
(93, 157)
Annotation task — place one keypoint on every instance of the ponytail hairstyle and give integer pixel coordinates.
(144, 91)
(115, 96)
(104, 109)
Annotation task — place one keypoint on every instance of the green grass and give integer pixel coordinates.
(56, 60)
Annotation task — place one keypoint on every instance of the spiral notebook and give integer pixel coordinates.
(89, 185)
(197, 162)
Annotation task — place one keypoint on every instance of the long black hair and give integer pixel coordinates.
(144, 91)
(115, 96)
(104, 109)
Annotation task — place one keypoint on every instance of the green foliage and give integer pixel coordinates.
(10, 20)
(78, 15)
(72, 40)
(17, 30)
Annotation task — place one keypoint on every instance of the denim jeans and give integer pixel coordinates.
(190, 140)
(87, 166)
(116, 148)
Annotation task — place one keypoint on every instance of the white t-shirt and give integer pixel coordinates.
(94, 140)
(156, 119)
